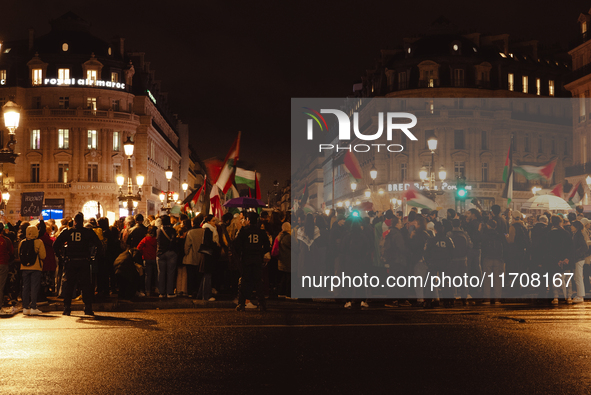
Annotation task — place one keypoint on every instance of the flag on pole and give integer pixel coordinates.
(532, 172)
(575, 195)
(215, 205)
(226, 178)
(246, 177)
(508, 176)
(304, 197)
(558, 191)
(193, 202)
(257, 187)
(417, 199)
(352, 165)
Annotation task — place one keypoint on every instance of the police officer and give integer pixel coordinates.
(251, 244)
(77, 244)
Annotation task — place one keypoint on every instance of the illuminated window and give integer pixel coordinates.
(91, 103)
(538, 86)
(114, 77)
(35, 172)
(551, 88)
(92, 173)
(109, 51)
(65, 47)
(92, 139)
(510, 81)
(583, 27)
(91, 75)
(116, 144)
(64, 102)
(37, 76)
(62, 172)
(63, 74)
(484, 172)
(524, 82)
(2, 77)
(63, 139)
(36, 139)
(428, 78)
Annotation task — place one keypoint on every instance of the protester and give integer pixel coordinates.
(166, 258)
(31, 252)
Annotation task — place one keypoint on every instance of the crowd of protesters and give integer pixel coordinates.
(164, 256)
(473, 243)
(202, 257)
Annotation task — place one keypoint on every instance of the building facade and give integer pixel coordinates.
(81, 99)
(579, 84)
(475, 94)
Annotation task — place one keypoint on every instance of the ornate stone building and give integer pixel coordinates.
(472, 92)
(81, 98)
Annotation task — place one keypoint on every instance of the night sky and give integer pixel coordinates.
(231, 66)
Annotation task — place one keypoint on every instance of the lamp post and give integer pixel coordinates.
(428, 176)
(185, 186)
(130, 200)
(11, 113)
(168, 197)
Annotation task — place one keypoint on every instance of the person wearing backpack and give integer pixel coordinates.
(462, 244)
(439, 252)
(31, 252)
(494, 246)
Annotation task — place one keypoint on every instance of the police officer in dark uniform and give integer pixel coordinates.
(251, 243)
(78, 245)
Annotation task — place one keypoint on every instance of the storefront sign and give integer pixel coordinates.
(97, 186)
(83, 82)
(403, 187)
(31, 203)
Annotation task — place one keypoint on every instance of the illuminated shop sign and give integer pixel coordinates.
(83, 82)
(403, 187)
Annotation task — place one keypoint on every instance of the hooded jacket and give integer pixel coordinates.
(32, 233)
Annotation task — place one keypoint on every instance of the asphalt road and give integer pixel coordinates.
(301, 348)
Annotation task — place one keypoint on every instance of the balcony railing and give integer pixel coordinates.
(46, 112)
(578, 73)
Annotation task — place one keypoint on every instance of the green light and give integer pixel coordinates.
(462, 192)
(355, 213)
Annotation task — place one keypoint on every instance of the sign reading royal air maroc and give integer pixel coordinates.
(83, 82)
(31, 203)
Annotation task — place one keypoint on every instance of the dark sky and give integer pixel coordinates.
(232, 66)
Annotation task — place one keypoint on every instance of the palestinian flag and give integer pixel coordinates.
(558, 191)
(226, 177)
(352, 165)
(532, 172)
(246, 177)
(215, 207)
(191, 205)
(508, 176)
(304, 197)
(417, 199)
(575, 195)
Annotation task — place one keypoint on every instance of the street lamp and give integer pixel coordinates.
(170, 195)
(427, 176)
(131, 200)
(368, 193)
(373, 173)
(185, 186)
(353, 186)
(12, 114)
